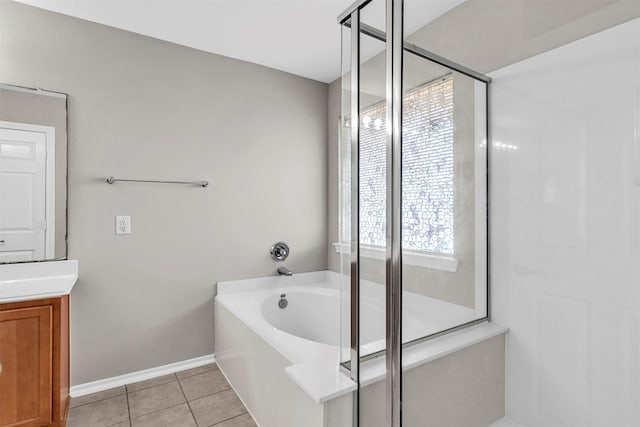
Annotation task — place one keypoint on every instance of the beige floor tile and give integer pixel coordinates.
(196, 371)
(155, 398)
(122, 424)
(241, 421)
(95, 397)
(99, 414)
(203, 385)
(216, 408)
(151, 383)
(176, 416)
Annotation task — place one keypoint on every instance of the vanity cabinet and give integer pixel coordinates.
(34, 363)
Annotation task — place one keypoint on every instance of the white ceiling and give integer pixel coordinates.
(298, 36)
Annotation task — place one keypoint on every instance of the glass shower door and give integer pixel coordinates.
(413, 204)
(443, 209)
(444, 192)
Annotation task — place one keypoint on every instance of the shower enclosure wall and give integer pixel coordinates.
(413, 183)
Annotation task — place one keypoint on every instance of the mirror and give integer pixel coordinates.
(33, 174)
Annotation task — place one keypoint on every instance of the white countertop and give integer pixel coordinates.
(37, 280)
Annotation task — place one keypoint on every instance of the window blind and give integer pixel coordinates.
(427, 171)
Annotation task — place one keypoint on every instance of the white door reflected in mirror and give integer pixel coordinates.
(26, 192)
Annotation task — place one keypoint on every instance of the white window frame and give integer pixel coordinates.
(417, 258)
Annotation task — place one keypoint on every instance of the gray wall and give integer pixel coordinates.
(45, 110)
(143, 108)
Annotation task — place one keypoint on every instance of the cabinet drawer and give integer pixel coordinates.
(26, 366)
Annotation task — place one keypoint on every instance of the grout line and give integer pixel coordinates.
(235, 416)
(183, 393)
(91, 387)
(253, 418)
(214, 367)
(213, 394)
(153, 412)
(126, 393)
(187, 400)
(151, 386)
(176, 379)
(209, 395)
(99, 400)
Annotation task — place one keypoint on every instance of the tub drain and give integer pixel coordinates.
(283, 303)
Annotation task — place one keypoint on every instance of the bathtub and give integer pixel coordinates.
(284, 363)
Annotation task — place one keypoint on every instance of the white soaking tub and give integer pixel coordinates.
(284, 362)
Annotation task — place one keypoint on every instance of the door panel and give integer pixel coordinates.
(26, 370)
(22, 191)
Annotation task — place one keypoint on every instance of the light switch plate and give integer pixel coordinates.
(123, 224)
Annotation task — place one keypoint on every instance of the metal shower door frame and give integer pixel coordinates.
(395, 48)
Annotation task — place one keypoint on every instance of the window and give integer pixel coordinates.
(427, 171)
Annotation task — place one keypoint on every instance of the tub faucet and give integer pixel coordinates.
(284, 271)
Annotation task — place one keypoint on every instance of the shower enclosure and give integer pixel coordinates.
(413, 192)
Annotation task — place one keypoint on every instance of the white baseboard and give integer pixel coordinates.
(147, 374)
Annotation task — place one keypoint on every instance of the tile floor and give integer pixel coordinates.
(199, 397)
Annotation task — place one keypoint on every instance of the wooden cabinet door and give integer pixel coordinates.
(25, 358)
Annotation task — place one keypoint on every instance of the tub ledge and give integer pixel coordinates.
(322, 381)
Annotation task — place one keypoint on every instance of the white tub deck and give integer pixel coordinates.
(314, 364)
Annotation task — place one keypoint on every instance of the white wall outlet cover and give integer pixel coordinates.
(123, 224)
